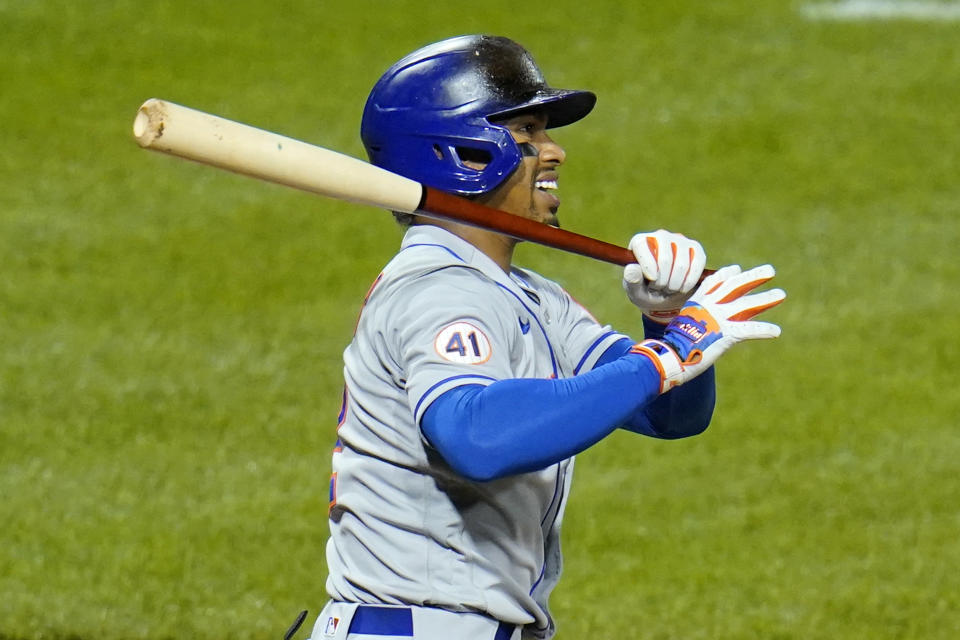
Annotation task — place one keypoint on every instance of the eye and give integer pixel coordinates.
(527, 128)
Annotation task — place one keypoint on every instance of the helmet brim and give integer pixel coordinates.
(561, 106)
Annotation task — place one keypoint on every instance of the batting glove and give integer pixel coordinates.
(668, 268)
(717, 317)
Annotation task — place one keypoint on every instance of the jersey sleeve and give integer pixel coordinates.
(584, 339)
(452, 329)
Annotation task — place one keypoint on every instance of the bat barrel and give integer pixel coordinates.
(187, 133)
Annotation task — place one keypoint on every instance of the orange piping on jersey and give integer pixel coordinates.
(333, 492)
(581, 305)
(366, 299)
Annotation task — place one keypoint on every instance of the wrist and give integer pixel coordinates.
(655, 323)
(664, 359)
(660, 315)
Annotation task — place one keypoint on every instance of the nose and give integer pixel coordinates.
(550, 151)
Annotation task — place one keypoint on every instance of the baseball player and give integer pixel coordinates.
(470, 383)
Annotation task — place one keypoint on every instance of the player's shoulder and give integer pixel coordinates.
(417, 259)
(421, 276)
(414, 263)
(551, 293)
(428, 250)
(537, 282)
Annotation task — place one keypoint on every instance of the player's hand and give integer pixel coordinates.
(668, 268)
(717, 316)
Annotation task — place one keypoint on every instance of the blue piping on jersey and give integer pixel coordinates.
(556, 492)
(446, 380)
(526, 287)
(343, 407)
(593, 346)
(553, 359)
(543, 570)
(430, 244)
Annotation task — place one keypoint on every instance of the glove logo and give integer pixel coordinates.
(696, 323)
(462, 343)
(691, 330)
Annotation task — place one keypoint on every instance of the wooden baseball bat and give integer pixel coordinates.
(181, 131)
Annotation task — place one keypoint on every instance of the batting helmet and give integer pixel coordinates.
(437, 107)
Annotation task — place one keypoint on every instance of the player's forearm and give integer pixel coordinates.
(682, 412)
(521, 425)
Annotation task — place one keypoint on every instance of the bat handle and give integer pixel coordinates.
(435, 203)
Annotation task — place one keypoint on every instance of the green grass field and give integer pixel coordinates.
(170, 335)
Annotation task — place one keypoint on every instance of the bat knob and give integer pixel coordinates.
(148, 124)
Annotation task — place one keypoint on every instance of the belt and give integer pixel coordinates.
(398, 621)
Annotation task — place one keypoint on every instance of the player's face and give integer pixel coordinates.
(530, 191)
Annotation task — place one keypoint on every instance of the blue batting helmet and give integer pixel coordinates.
(436, 108)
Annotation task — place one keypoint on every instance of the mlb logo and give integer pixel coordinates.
(331, 627)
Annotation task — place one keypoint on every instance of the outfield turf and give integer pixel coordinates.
(170, 335)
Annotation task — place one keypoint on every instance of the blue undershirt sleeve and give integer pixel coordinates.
(521, 425)
(683, 411)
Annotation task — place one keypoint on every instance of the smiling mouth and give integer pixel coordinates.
(548, 186)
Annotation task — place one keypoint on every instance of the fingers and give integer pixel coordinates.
(698, 263)
(728, 291)
(633, 274)
(746, 282)
(749, 306)
(665, 252)
(646, 250)
(715, 280)
(737, 284)
(671, 262)
(688, 260)
(752, 330)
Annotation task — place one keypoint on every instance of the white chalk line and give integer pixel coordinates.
(853, 10)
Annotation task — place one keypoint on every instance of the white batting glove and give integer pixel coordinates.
(668, 268)
(717, 317)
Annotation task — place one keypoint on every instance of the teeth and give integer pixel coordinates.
(547, 184)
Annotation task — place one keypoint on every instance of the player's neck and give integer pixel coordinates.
(496, 246)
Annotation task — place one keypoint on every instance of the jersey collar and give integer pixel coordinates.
(462, 252)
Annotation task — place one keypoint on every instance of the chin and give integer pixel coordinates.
(543, 213)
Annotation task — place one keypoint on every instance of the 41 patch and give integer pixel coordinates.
(463, 343)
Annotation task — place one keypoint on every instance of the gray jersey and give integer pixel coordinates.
(405, 528)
